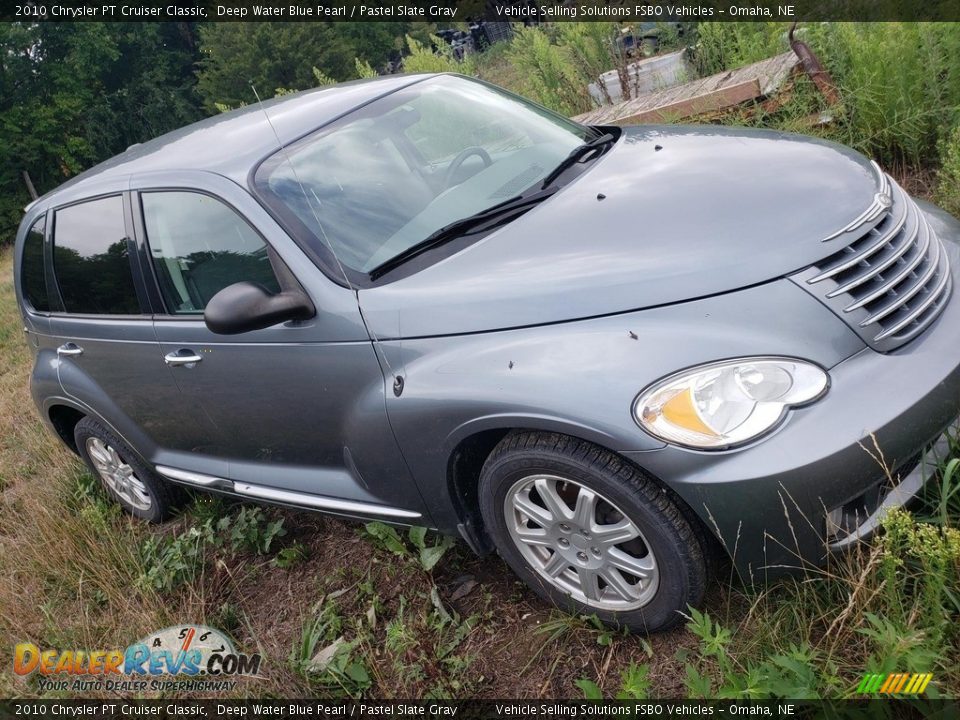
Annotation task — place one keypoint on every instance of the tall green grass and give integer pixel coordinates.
(948, 179)
(899, 82)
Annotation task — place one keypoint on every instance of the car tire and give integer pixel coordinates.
(579, 568)
(123, 474)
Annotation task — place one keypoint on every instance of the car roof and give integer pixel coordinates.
(231, 143)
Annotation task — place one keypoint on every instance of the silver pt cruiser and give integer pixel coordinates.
(602, 352)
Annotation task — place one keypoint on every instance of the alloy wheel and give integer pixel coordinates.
(117, 474)
(581, 542)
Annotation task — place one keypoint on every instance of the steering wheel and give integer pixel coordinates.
(461, 157)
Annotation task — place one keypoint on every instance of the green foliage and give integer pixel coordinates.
(549, 72)
(364, 70)
(920, 569)
(899, 82)
(386, 537)
(590, 690)
(347, 671)
(284, 55)
(72, 94)
(891, 607)
(793, 674)
(423, 59)
(325, 659)
(321, 79)
(249, 530)
(592, 49)
(290, 556)
(728, 45)
(171, 561)
(948, 182)
(428, 555)
(634, 685)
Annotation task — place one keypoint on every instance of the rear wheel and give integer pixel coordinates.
(125, 477)
(590, 532)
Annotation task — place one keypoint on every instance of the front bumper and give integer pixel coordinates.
(769, 503)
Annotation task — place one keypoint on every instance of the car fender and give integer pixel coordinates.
(581, 378)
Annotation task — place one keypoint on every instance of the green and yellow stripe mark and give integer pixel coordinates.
(895, 683)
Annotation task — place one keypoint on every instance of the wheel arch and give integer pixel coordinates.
(468, 456)
(63, 419)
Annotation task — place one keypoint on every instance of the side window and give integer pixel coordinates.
(200, 246)
(90, 259)
(32, 276)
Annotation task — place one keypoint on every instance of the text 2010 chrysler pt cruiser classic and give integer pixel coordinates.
(421, 299)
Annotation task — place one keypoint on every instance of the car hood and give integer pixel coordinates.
(668, 214)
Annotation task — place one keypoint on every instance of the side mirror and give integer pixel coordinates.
(246, 306)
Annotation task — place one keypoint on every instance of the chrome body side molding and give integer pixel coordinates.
(285, 497)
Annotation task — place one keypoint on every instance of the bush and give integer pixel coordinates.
(724, 45)
(171, 561)
(948, 179)
(899, 82)
(550, 75)
(422, 59)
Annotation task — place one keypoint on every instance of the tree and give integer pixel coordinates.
(283, 55)
(73, 94)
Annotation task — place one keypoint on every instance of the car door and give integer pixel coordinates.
(107, 351)
(299, 407)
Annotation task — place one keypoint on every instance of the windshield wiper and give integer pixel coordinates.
(576, 155)
(483, 220)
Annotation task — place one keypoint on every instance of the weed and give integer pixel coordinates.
(208, 507)
(948, 178)
(389, 539)
(228, 618)
(250, 530)
(899, 82)
(346, 672)
(386, 537)
(316, 629)
(550, 73)
(171, 561)
(290, 556)
(325, 659)
(429, 555)
(634, 685)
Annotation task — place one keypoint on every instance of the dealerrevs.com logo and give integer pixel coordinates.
(180, 657)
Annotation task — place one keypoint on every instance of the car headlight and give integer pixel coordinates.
(727, 403)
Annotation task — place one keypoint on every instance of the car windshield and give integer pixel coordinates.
(392, 173)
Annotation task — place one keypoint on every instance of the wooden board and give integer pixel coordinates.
(708, 94)
(697, 105)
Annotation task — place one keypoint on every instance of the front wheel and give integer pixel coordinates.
(590, 533)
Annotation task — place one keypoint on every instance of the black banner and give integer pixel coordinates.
(475, 709)
(450, 11)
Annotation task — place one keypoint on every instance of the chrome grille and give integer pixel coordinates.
(891, 279)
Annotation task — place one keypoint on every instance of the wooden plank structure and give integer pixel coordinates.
(708, 94)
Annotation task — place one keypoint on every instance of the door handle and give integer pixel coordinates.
(69, 349)
(182, 357)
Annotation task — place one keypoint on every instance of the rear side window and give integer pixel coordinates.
(33, 279)
(91, 261)
(200, 246)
